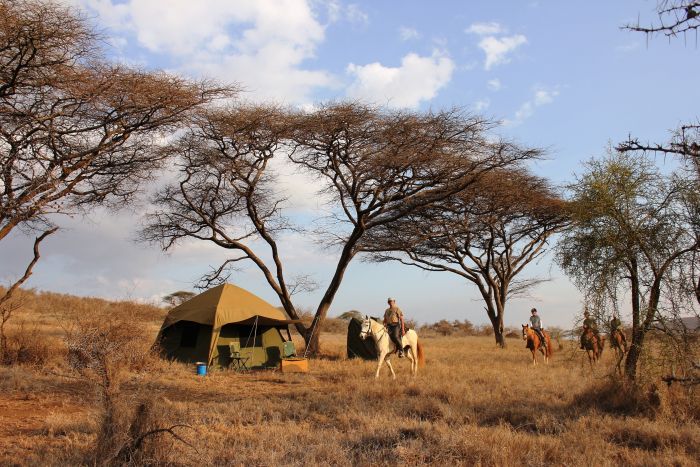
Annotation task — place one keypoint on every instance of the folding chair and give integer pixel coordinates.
(288, 349)
(239, 361)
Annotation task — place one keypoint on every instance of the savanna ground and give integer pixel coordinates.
(471, 404)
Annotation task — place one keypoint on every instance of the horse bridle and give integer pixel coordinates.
(369, 331)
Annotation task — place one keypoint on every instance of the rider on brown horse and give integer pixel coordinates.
(536, 325)
(615, 325)
(589, 324)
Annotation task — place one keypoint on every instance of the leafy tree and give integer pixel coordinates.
(487, 235)
(634, 229)
(685, 144)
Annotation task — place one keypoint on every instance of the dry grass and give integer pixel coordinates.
(472, 404)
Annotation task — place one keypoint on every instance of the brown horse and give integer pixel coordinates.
(618, 341)
(534, 343)
(592, 346)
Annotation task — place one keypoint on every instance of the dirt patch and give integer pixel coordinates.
(23, 422)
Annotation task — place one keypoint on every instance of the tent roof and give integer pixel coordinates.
(226, 304)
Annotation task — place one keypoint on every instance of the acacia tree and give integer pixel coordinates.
(632, 228)
(373, 166)
(487, 234)
(75, 130)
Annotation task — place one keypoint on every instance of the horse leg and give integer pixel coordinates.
(388, 363)
(620, 356)
(534, 357)
(412, 355)
(382, 357)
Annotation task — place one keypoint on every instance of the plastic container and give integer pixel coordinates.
(201, 369)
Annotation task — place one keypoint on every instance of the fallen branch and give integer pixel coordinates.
(690, 380)
(127, 452)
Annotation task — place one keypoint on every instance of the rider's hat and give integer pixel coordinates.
(390, 299)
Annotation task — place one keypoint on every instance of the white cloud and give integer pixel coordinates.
(260, 44)
(408, 34)
(484, 29)
(495, 44)
(540, 97)
(417, 79)
(494, 84)
(497, 49)
(481, 105)
(351, 13)
(355, 14)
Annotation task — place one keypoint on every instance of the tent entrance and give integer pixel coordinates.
(263, 344)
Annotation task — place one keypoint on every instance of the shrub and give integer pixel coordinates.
(26, 347)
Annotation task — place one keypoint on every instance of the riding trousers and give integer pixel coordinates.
(395, 334)
(540, 333)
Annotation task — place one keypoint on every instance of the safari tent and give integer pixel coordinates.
(204, 328)
(358, 347)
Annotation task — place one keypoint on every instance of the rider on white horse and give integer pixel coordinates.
(393, 319)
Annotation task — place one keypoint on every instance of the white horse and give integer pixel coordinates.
(385, 347)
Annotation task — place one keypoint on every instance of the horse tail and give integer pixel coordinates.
(550, 349)
(421, 354)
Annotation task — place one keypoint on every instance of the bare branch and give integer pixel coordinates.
(28, 272)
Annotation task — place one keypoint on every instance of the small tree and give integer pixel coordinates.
(633, 228)
(348, 315)
(178, 298)
(487, 235)
(373, 166)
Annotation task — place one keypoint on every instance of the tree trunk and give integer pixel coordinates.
(497, 324)
(496, 318)
(634, 353)
(637, 330)
(498, 334)
(311, 338)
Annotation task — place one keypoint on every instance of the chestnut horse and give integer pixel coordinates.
(593, 348)
(534, 343)
(618, 341)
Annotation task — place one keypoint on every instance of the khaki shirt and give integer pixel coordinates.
(393, 315)
(589, 323)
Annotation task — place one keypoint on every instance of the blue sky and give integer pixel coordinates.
(560, 75)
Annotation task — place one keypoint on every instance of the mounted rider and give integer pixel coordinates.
(589, 324)
(536, 325)
(393, 320)
(615, 327)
